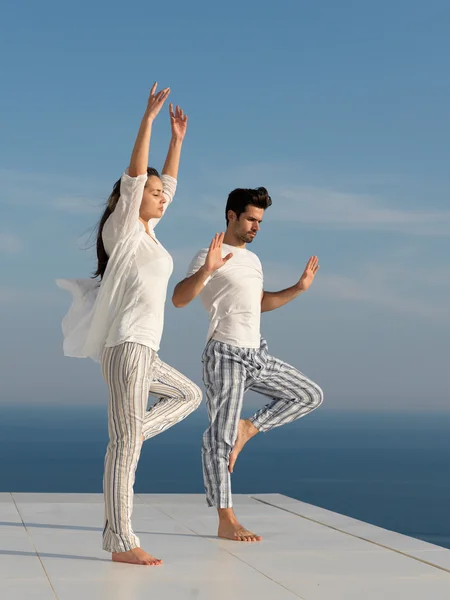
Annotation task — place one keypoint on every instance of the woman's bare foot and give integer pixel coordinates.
(136, 556)
(231, 529)
(246, 430)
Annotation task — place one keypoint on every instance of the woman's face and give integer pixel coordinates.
(153, 199)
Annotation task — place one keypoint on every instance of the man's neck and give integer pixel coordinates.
(230, 239)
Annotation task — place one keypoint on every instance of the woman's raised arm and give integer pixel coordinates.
(178, 121)
(139, 156)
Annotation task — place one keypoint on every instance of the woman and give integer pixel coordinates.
(119, 323)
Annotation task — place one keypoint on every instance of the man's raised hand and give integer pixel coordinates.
(309, 273)
(214, 258)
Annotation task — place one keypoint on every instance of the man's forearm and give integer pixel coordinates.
(189, 288)
(273, 300)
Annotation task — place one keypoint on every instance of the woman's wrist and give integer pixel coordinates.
(148, 117)
(176, 140)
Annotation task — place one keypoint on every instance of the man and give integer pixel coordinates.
(229, 280)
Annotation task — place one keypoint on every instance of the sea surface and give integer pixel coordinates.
(389, 469)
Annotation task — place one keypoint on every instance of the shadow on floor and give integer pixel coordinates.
(86, 528)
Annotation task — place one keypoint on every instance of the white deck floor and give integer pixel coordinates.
(50, 548)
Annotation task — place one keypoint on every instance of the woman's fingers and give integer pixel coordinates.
(162, 95)
(156, 100)
(178, 113)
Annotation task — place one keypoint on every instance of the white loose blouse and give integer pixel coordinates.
(128, 304)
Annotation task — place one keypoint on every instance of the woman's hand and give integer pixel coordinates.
(178, 121)
(139, 156)
(156, 101)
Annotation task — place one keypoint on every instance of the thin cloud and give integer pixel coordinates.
(77, 205)
(322, 208)
(10, 243)
(328, 208)
(8, 296)
(393, 288)
(43, 191)
(13, 296)
(375, 206)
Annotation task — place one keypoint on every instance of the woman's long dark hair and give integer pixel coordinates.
(102, 256)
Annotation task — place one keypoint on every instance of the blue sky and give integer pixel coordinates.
(341, 109)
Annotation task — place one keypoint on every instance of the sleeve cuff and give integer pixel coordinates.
(169, 179)
(127, 177)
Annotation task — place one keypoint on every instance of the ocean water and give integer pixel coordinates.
(389, 469)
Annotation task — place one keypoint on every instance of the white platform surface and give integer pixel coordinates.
(50, 547)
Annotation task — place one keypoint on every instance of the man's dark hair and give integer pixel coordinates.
(240, 198)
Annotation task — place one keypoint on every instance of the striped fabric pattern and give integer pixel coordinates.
(132, 372)
(230, 371)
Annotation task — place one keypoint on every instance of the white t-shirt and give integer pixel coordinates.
(232, 297)
(141, 315)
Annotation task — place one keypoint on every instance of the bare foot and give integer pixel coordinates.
(246, 430)
(234, 531)
(136, 556)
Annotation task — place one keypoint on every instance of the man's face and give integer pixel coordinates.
(248, 224)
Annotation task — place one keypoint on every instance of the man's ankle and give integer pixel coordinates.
(227, 514)
(252, 430)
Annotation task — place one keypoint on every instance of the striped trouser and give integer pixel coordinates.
(228, 372)
(132, 372)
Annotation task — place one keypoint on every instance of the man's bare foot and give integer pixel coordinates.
(246, 430)
(231, 529)
(234, 531)
(136, 556)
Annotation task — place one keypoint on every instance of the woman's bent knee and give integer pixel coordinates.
(317, 396)
(194, 396)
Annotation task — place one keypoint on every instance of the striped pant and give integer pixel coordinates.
(132, 372)
(228, 372)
